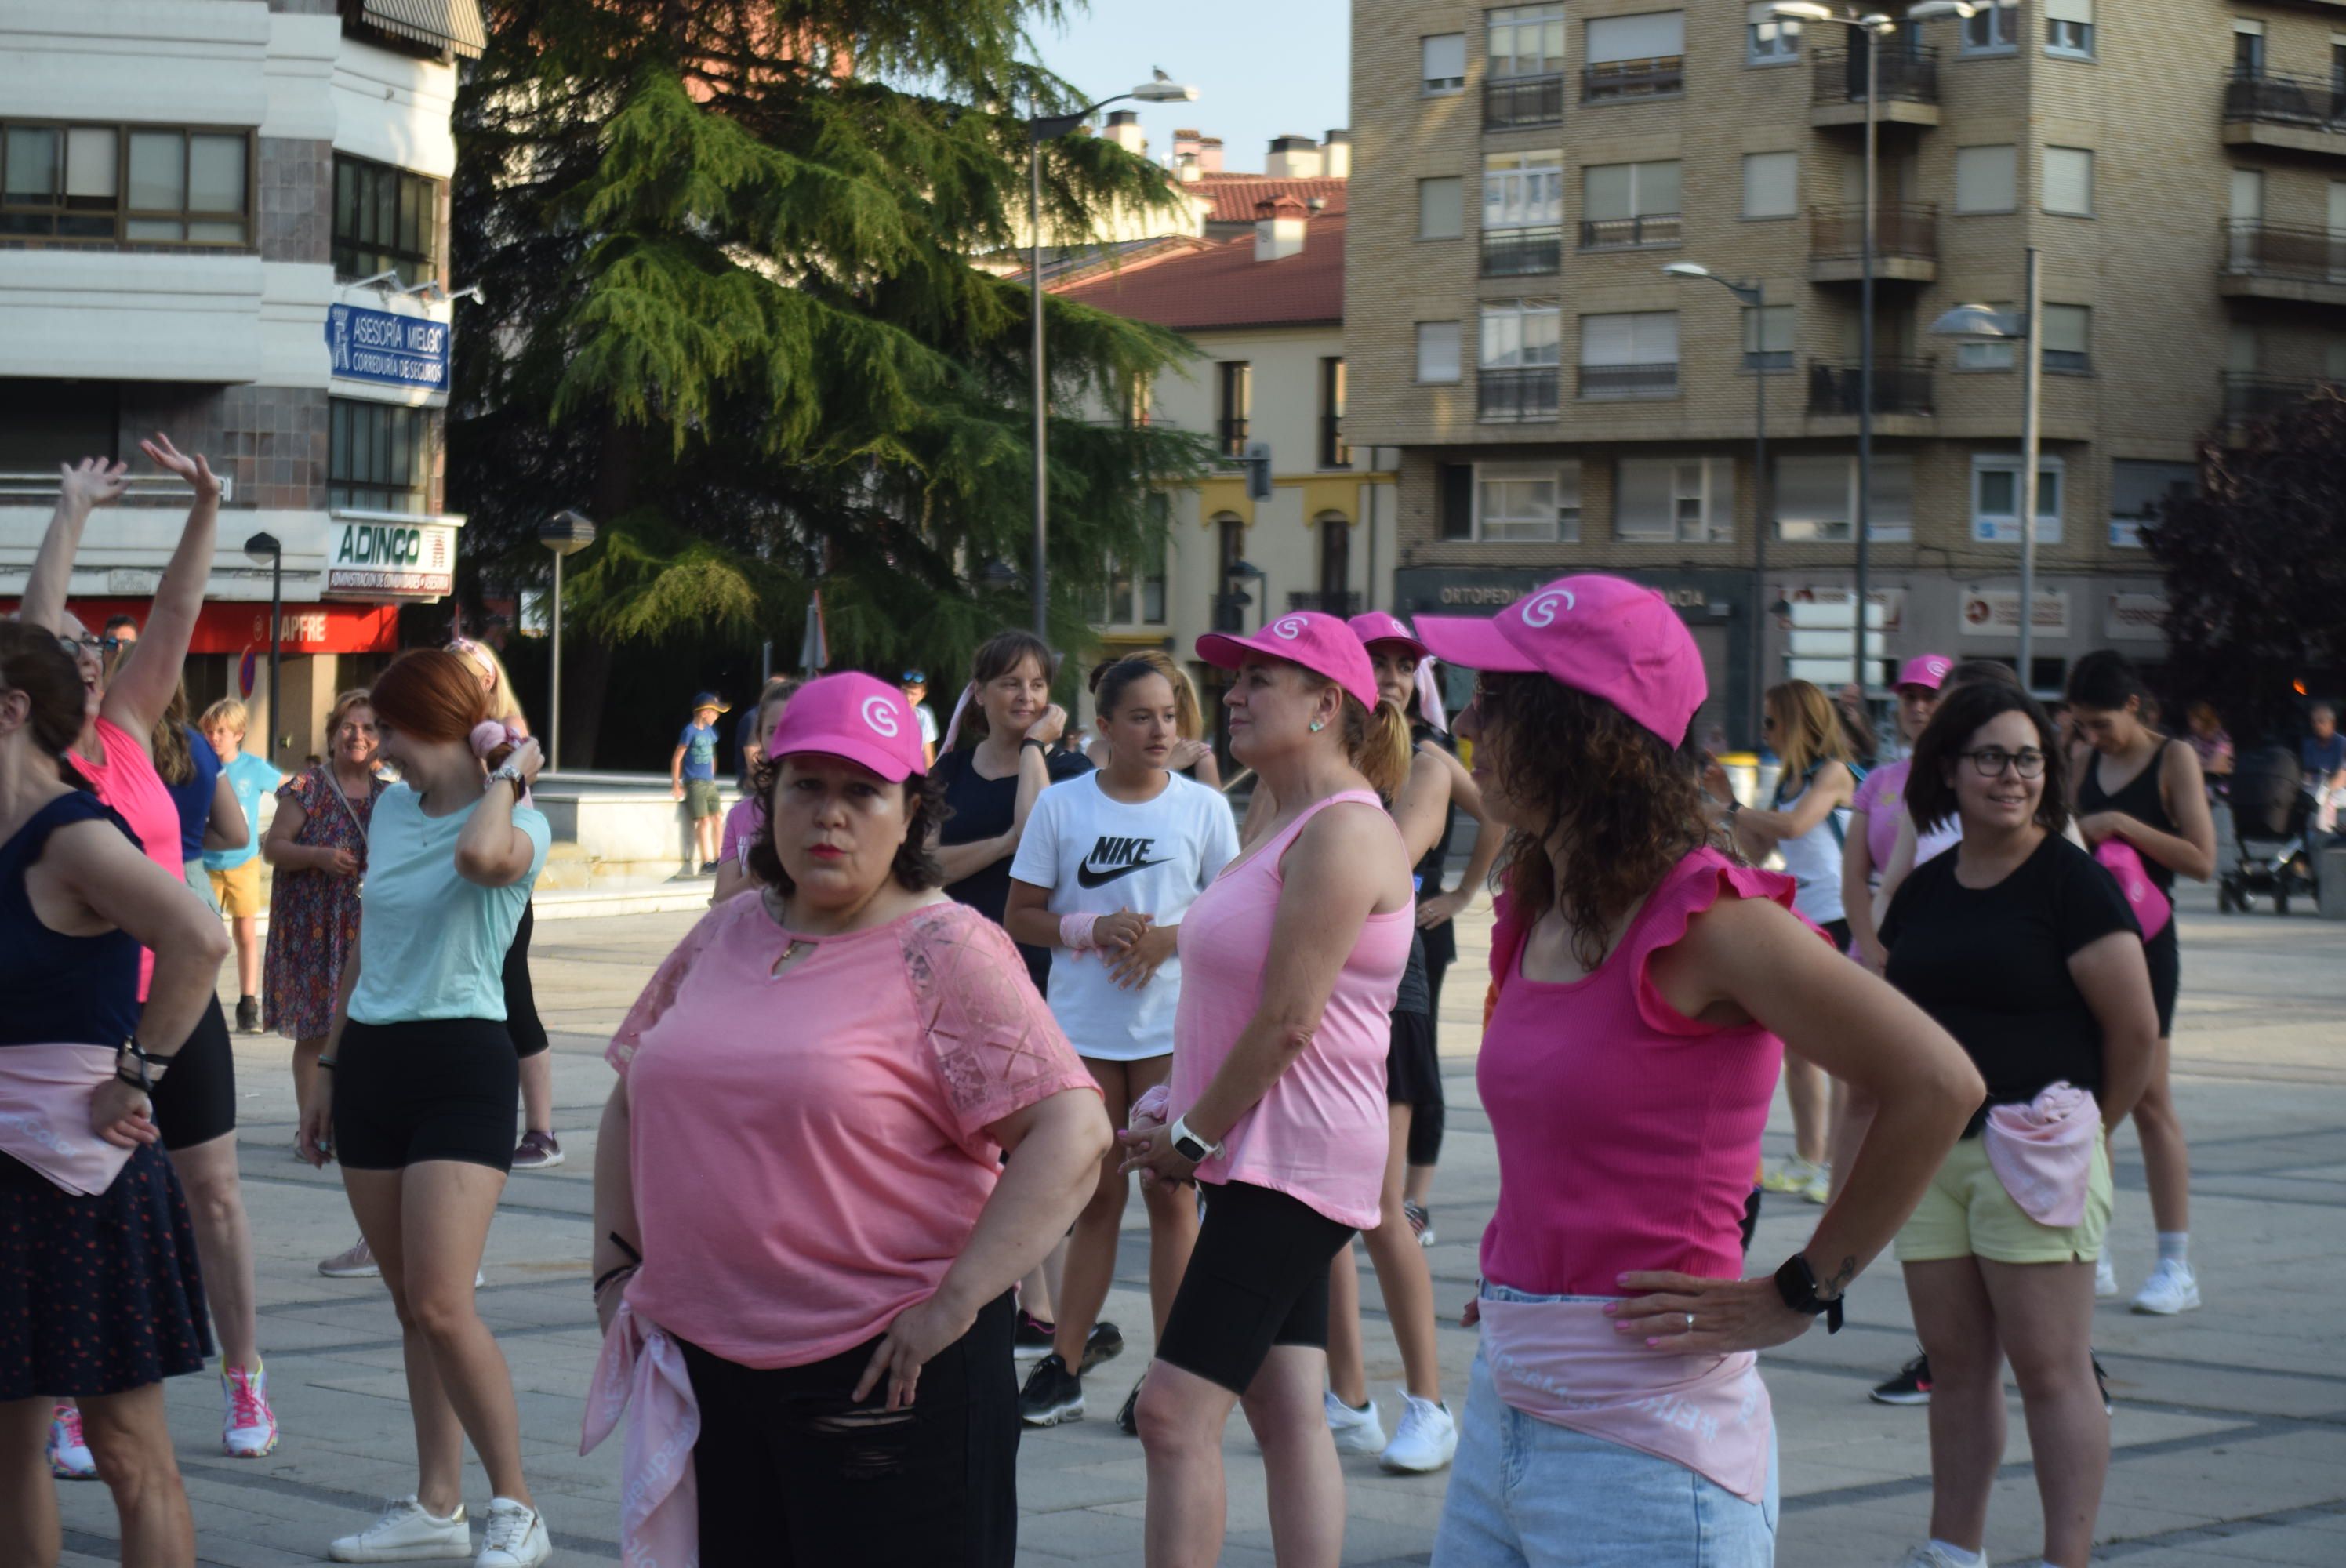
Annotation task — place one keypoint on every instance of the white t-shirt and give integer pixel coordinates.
(927, 721)
(1096, 855)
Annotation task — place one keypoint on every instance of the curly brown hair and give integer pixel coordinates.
(1605, 781)
(915, 866)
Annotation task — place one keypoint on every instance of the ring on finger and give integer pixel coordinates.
(1689, 1325)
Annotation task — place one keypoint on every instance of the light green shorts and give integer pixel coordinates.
(703, 799)
(1966, 1213)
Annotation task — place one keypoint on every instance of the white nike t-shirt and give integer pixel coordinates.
(1096, 855)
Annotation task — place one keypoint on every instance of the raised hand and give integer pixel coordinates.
(92, 482)
(193, 469)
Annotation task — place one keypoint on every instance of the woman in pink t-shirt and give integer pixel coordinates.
(1646, 989)
(1278, 1096)
(745, 823)
(806, 1227)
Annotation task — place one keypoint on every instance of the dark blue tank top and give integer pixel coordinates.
(53, 987)
(194, 798)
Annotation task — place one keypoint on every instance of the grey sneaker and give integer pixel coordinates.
(353, 1262)
(537, 1152)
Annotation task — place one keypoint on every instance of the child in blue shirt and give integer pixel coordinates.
(692, 774)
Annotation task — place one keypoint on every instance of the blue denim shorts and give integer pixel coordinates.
(1528, 1494)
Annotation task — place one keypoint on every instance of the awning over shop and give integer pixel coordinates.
(452, 25)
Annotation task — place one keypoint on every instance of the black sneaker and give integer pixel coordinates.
(2101, 1381)
(248, 1017)
(1911, 1386)
(1127, 1422)
(1104, 1343)
(1032, 1341)
(1052, 1394)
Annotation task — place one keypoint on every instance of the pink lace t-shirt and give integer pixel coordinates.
(1627, 1133)
(809, 1151)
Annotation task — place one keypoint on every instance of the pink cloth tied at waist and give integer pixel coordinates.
(2043, 1152)
(1561, 1362)
(45, 1094)
(641, 1371)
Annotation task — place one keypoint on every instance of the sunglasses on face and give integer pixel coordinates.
(89, 641)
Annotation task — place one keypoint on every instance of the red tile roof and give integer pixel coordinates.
(1234, 195)
(1225, 286)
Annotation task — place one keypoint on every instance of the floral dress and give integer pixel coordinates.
(313, 916)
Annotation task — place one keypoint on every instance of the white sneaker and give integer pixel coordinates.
(1819, 1187)
(2171, 1288)
(2105, 1279)
(406, 1533)
(1929, 1557)
(1426, 1440)
(355, 1261)
(513, 1536)
(249, 1430)
(1357, 1432)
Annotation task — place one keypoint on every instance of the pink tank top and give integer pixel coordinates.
(1319, 1134)
(127, 781)
(1627, 1133)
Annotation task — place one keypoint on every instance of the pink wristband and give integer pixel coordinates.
(1077, 931)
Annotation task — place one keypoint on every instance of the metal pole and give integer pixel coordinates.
(2031, 390)
(276, 644)
(1865, 363)
(1760, 495)
(1040, 585)
(554, 704)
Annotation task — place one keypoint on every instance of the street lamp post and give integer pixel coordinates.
(566, 533)
(1041, 128)
(1755, 295)
(267, 547)
(1978, 324)
(1873, 25)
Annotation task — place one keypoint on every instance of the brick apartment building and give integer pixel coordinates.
(1525, 172)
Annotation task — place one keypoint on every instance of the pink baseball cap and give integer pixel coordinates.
(1378, 626)
(1323, 644)
(1928, 671)
(1604, 635)
(852, 715)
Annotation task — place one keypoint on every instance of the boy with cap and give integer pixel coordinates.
(692, 777)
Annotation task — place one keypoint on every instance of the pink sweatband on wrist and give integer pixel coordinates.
(1077, 930)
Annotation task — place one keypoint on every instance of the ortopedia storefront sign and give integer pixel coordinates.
(363, 346)
(1995, 613)
(381, 558)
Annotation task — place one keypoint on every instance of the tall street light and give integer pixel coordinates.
(1753, 294)
(1979, 323)
(267, 547)
(1041, 128)
(565, 534)
(1875, 26)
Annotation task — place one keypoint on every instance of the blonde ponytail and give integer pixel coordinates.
(1377, 741)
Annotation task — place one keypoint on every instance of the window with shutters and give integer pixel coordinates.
(1989, 354)
(1632, 356)
(1233, 406)
(1772, 184)
(2069, 28)
(1441, 208)
(2068, 339)
(1517, 378)
(1521, 505)
(2247, 47)
(1624, 206)
(2139, 491)
(1815, 498)
(1771, 39)
(1995, 498)
(1635, 56)
(1442, 64)
(1437, 353)
(1674, 500)
(1986, 178)
(1768, 337)
(2067, 186)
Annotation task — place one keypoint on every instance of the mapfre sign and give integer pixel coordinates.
(379, 559)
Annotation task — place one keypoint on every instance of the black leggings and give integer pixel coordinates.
(521, 999)
(1258, 1278)
(195, 1101)
(1427, 1112)
(792, 1474)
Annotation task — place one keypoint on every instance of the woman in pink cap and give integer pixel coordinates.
(1647, 988)
(854, 1051)
(1879, 807)
(1277, 1104)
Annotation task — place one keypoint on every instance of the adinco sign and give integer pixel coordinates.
(378, 555)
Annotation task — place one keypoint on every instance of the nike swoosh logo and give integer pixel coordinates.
(1088, 878)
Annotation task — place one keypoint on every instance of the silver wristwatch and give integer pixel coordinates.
(507, 771)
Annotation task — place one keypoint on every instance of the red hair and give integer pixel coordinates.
(433, 695)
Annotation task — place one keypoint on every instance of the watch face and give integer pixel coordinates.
(1192, 1150)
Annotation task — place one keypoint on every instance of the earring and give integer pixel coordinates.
(1318, 725)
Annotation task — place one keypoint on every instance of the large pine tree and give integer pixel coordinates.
(730, 313)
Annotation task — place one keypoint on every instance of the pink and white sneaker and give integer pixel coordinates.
(250, 1429)
(69, 1455)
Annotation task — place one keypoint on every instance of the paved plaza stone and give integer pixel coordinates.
(2230, 1427)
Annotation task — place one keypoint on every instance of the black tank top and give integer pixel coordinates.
(2140, 799)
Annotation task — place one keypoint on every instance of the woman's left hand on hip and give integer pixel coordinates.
(1682, 1314)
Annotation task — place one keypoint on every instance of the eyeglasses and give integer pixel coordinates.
(1990, 761)
(90, 641)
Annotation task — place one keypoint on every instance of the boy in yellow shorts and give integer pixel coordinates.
(236, 873)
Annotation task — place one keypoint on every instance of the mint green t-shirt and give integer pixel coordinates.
(431, 945)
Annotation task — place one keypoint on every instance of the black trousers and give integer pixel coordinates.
(792, 1474)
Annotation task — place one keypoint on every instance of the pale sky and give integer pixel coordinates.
(1261, 67)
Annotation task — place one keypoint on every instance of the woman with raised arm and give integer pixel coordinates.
(1646, 987)
(1277, 1104)
(195, 1109)
(851, 1049)
(100, 1295)
(414, 1094)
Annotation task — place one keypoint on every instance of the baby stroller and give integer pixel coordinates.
(2272, 814)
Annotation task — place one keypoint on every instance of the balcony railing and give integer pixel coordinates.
(1522, 252)
(1904, 75)
(2251, 396)
(1510, 395)
(1518, 103)
(1629, 233)
(2283, 100)
(2255, 248)
(1660, 77)
(1347, 602)
(1333, 452)
(1629, 381)
(1232, 436)
(1836, 387)
(1901, 228)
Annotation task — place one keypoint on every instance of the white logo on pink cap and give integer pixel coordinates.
(880, 715)
(1540, 610)
(1289, 626)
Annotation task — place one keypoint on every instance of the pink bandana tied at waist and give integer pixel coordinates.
(1562, 1362)
(2043, 1152)
(641, 1371)
(45, 1094)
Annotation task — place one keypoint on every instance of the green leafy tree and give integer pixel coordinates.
(730, 312)
(2256, 568)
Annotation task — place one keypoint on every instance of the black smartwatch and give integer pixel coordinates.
(1795, 1282)
(1041, 745)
